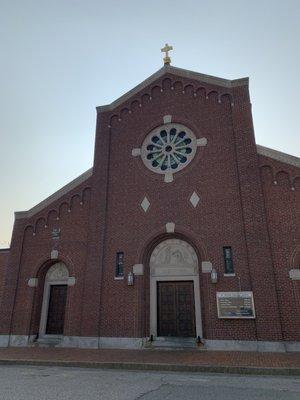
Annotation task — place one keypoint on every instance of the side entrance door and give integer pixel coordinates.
(56, 310)
(176, 309)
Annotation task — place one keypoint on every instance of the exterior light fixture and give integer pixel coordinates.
(130, 279)
(214, 276)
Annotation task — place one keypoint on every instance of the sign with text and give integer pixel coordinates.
(235, 305)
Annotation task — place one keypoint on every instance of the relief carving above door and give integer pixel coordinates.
(173, 257)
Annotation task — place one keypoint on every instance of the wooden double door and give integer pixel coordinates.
(176, 309)
(56, 310)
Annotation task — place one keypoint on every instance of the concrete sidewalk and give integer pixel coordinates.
(161, 360)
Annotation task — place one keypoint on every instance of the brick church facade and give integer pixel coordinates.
(183, 228)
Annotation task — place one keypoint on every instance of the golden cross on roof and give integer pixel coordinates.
(166, 49)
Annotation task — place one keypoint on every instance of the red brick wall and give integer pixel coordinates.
(232, 212)
(281, 183)
(3, 263)
(211, 173)
(30, 256)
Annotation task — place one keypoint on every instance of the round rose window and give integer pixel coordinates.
(169, 149)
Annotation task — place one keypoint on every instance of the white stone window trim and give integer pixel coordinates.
(170, 227)
(167, 119)
(294, 274)
(57, 274)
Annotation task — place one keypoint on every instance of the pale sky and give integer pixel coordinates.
(60, 59)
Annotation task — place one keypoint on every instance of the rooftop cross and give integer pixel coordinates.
(166, 49)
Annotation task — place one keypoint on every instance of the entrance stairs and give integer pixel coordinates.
(174, 343)
(47, 342)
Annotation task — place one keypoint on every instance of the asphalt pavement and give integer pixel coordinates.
(53, 383)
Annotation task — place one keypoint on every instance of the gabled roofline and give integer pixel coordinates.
(184, 73)
(55, 196)
(262, 150)
(278, 156)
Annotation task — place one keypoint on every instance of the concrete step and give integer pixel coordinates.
(174, 343)
(47, 342)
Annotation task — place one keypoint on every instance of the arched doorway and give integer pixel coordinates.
(54, 301)
(175, 308)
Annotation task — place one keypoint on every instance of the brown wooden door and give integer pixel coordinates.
(176, 309)
(56, 310)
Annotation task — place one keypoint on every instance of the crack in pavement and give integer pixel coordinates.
(150, 391)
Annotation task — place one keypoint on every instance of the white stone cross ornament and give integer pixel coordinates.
(166, 49)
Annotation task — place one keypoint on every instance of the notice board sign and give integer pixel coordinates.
(235, 305)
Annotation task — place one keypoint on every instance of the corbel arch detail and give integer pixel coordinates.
(177, 87)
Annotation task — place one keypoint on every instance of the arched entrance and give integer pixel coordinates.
(54, 301)
(175, 308)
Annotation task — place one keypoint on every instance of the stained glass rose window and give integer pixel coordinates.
(169, 149)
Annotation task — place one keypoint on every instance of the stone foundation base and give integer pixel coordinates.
(139, 343)
(102, 342)
(4, 340)
(249, 345)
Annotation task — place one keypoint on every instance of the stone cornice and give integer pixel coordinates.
(184, 73)
(55, 196)
(278, 156)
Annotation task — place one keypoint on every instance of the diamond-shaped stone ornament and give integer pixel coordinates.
(145, 204)
(194, 199)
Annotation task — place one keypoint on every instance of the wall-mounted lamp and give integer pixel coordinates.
(214, 276)
(130, 279)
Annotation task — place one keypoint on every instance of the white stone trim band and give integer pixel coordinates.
(55, 196)
(184, 73)
(139, 343)
(278, 156)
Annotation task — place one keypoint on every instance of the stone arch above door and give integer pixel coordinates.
(57, 272)
(173, 257)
